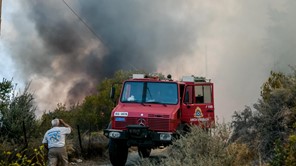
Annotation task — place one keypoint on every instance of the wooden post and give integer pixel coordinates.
(25, 134)
(79, 138)
(89, 135)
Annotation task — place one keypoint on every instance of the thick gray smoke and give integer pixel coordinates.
(234, 42)
(142, 32)
(134, 35)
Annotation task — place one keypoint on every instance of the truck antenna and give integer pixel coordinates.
(0, 14)
(206, 60)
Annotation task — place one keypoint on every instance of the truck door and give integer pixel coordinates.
(198, 104)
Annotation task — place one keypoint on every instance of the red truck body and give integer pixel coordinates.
(151, 112)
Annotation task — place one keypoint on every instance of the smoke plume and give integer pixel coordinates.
(66, 58)
(234, 42)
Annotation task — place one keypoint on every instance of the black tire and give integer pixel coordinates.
(118, 152)
(144, 152)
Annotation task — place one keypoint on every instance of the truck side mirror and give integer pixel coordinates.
(112, 92)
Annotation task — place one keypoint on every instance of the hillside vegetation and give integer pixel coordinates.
(264, 134)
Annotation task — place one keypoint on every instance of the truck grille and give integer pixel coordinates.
(158, 124)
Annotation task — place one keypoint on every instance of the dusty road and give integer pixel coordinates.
(133, 159)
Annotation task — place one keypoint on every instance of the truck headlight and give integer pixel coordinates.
(165, 136)
(114, 134)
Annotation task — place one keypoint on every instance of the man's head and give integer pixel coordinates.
(55, 122)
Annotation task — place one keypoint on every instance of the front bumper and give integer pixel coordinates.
(137, 135)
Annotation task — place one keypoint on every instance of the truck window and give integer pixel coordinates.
(203, 94)
(132, 92)
(150, 92)
(166, 93)
(188, 95)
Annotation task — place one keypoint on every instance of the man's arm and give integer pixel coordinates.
(65, 124)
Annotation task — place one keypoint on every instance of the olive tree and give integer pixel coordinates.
(272, 118)
(18, 110)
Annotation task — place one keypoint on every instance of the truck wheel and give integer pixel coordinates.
(118, 152)
(144, 152)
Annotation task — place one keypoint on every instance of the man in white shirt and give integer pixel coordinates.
(54, 141)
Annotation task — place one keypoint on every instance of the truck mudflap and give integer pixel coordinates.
(137, 135)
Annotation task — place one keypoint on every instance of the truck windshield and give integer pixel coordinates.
(150, 92)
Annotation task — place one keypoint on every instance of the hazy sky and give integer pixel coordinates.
(235, 43)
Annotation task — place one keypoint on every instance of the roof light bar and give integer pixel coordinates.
(138, 76)
(188, 79)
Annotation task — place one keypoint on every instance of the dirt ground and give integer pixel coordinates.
(91, 162)
(133, 157)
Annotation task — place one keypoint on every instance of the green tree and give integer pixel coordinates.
(275, 81)
(18, 112)
(243, 127)
(6, 88)
(273, 117)
(69, 115)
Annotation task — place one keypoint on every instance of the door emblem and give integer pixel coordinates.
(198, 113)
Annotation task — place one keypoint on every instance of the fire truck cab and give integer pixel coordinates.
(197, 101)
(151, 112)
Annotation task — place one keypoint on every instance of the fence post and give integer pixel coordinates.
(25, 134)
(79, 138)
(89, 135)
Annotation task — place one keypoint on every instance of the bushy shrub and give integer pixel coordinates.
(26, 157)
(242, 154)
(18, 110)
(285, 153)
(267, 128)
(200, 147)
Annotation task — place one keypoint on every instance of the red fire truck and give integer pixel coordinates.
(152, 111)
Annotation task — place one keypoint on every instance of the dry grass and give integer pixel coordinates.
(205, 148)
